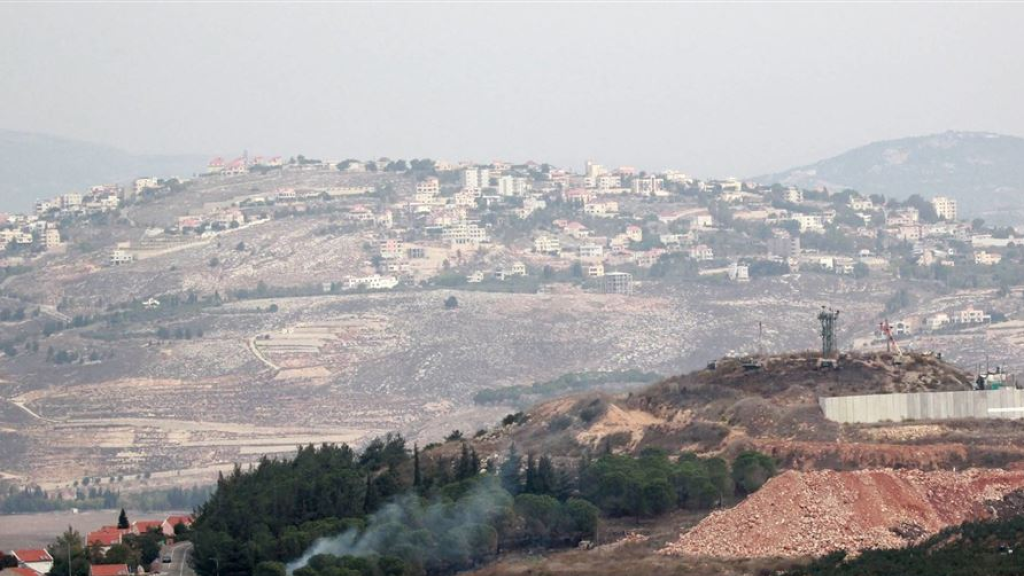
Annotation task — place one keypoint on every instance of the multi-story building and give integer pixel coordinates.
(429, 187)
(783, 245)
(648, 186)
(618, 283)
(51, 238)
(142, 184)
(476, 178)
(547, 245)
(590, 250)
(945, 208)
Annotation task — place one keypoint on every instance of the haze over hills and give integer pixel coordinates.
(40, 166)
(982, 170)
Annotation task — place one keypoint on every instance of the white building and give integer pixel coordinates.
(476, 178)
(794, 195)
(429, 187)
(142, 184)
(809, 222)
(649, 186)
(739, 272)
(546, 245)
(119, 257)
(373, 282)
(587, 251)
(945, 208)
(701, 252)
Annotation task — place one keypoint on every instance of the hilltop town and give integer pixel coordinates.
(296, 300)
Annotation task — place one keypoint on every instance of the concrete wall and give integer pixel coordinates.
(1005, 403)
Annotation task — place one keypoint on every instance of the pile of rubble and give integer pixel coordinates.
(813, 513)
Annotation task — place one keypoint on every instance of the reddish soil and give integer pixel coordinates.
(813, 513)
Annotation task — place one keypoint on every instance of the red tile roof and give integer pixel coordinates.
(175, 520)
(104, 537)
(141, 526)
(109, 570)
(32, 555)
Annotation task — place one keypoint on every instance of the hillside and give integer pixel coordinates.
(775, 410)
(39, 166)
(983, 171)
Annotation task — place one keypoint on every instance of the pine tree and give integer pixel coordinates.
(509, 471)
(545, 480)
(122, 521)
(531, 475)
(417, 474)
(372, 498)
(464, 469)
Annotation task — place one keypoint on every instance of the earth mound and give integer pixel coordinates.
(814, 513)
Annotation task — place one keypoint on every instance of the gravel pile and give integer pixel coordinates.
(814, 513)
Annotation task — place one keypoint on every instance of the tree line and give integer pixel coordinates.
(389, 509)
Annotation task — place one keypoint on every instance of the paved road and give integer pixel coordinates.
(179, 565)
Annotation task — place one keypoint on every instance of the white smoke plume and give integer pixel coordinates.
(438, 530)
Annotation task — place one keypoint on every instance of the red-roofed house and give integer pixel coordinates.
(106, 537)
(143, 526)
(172, 521)
(109, 570)
(36, 559)
(215, 165)
(236, 166)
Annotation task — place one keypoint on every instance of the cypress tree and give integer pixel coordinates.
(417, 474)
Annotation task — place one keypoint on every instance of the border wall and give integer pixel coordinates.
(1004, 403)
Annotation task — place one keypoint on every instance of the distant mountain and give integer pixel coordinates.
(39, 166)
(983, 171)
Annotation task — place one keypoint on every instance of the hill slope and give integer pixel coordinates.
(983, 171)
(39, 166)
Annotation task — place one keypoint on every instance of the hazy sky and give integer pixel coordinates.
(714, 90)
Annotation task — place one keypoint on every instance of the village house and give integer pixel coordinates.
(546, 245)
(619, 243)
(105, 537)
(618, 283)
(987, 258)
(109, 570)
(971, 315)
(809, 222)
(595, 270)
(739, 272)
(634, 233)
(429, 187)
(937, 321)
(142, 184)
(649, 186)
(475, 277)
(51, 238)
(589, 251)
(576, 230)
(36, 559)
(373, 282)
(701, 252)
(119, 257)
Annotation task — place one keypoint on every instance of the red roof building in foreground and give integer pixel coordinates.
(105, 536)
(143, 526)
(30, 555)
(172, 521)
(109, 570)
